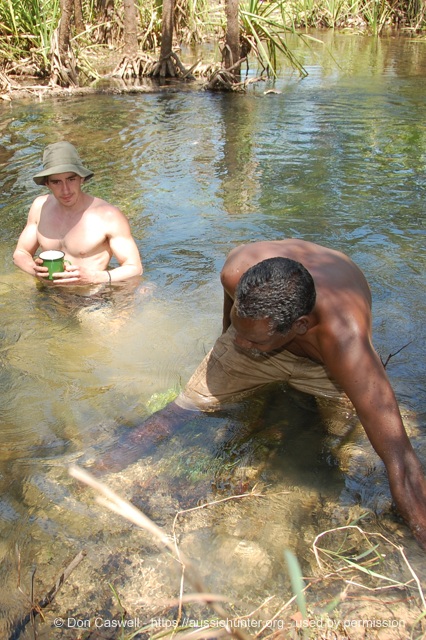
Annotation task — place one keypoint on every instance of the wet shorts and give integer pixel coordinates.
(227, 375)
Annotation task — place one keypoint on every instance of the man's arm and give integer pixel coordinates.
(229, 277)
(356, 366)
(28, 244)
(124, 249)
(227, 307)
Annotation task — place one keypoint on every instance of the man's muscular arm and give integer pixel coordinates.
(23, 256)
(229, 277)
(355, 365)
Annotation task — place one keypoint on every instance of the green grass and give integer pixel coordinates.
(26, 26)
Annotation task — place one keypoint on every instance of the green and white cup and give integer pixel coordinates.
(54, 261)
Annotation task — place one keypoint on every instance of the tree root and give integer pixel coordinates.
(143, 65)
(224, 80)
(134, 66)
(64, 71)
(170, 66)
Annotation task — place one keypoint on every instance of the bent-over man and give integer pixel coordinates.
(87, 229)
(298, 312)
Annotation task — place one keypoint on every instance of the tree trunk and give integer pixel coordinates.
(166, 67)
(167, 25)
(78, 17)
(64, 72)
(130, 28)
(105, 9)
(232, 40)
(64, 35)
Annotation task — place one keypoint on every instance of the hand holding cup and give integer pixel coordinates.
(54, 261)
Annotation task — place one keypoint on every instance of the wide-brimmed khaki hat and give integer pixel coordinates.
(61, 157)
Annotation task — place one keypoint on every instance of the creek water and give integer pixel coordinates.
(337, 158)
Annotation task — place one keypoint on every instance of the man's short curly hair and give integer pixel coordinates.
(277, 288)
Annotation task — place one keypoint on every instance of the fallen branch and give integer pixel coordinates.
(44, 602)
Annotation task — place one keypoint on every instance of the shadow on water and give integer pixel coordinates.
(335, 159)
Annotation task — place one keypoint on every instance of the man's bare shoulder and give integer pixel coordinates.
(39, 201)
(244, 256)
(331, 270)
(109, 213)
(102, 207)
(37, 207)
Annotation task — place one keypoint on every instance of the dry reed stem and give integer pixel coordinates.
(251, 494)
(198, 508)
(36, 608)
(113, 502)
(366, 536)
(211, 504)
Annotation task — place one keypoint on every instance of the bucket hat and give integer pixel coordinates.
(61, 157)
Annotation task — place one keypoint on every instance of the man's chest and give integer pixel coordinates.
(76, 237)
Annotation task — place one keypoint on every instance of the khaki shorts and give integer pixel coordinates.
(227, 375)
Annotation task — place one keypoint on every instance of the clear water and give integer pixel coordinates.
(339, 159)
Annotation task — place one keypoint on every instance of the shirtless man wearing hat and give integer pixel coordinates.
(87, 229)
(298, 312)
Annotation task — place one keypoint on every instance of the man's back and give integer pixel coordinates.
(343, 294)
(330, 269)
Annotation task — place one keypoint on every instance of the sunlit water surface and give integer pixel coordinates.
(339, 159)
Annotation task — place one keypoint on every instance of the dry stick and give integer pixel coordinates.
(391, 355)
(112, 501)
(190, 70)
(42, 604)
(198, 508)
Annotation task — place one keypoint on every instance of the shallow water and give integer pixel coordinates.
(337, 158)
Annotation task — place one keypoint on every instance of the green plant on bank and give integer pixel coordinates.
(377, 14)
(264, 30)
(336, 12)
(27, 26)
(150, 23)
(26, 29)
(372, 15)
(197, 20)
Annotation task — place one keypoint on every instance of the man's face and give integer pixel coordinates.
(256, 336)
(66, 187)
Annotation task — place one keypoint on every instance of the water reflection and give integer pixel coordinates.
(336, 159)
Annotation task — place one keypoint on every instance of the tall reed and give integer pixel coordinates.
(26, 28)
(265, 31)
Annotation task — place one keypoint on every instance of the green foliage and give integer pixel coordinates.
(370, 15)
(26, 28)
(196, 20)
(297, 582)
(264, 29)
(377, 14)
(150, 14)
